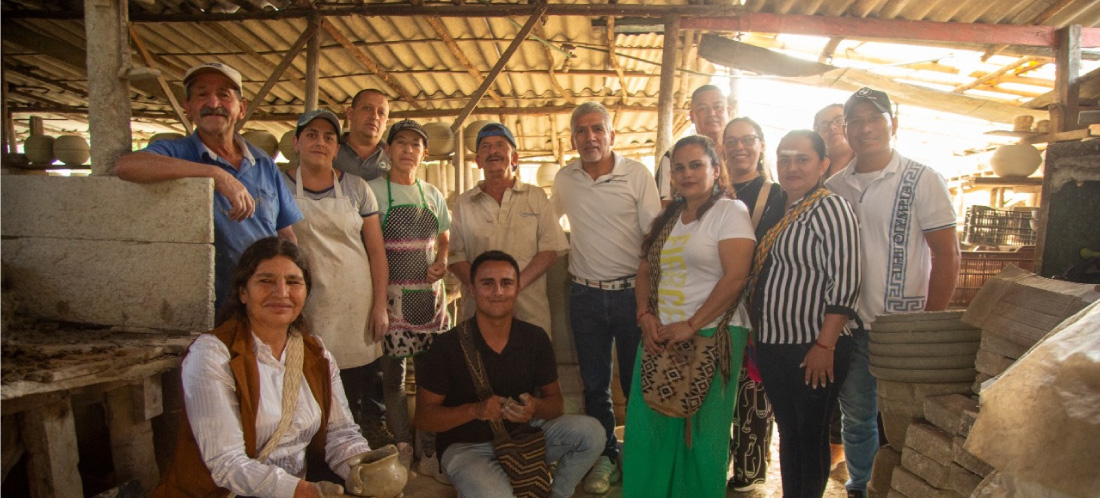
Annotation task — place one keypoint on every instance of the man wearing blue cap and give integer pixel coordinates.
(910, 255)
(503, 213)
(251, 201)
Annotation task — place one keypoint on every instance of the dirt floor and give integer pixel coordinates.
(423, 487)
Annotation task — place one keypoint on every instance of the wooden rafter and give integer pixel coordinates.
(536, 17)
(311, 29)
(991, 77)
(368, 62)
(540, 31)
(829, 49)
(149, 61)
(613, 58)
(83, 94)
(241, 45)
(441, 31)
(1040, 18)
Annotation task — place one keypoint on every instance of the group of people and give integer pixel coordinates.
(792, 273)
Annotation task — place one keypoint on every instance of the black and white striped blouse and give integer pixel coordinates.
(813, 269)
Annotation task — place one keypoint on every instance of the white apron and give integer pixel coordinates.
(338, 307)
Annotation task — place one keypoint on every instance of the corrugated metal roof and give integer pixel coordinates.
(566, 61)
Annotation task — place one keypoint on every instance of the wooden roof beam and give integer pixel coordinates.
(440, 30)
(536, 17)
(540, 31)
(1022, 61)
(1040, 18)
(370, 64)
(613, 59)
(148, 57)
(310, 31)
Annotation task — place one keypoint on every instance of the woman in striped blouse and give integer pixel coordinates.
(804, 289)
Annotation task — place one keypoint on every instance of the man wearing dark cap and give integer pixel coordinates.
(251, 201)
(505, 214)
(910, 255)
(341, 239)
(362, 150)
(415, 225)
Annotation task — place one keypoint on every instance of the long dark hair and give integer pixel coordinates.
(760, 136)
(722, 189)
(260, 251)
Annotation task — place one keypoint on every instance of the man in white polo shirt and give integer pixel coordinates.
(910, 255)
(611, 202)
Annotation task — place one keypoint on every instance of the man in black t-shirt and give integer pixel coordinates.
(520, 367)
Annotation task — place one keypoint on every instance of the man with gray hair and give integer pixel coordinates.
(610, 201)
(252, 202)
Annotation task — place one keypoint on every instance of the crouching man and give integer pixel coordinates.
(521, 371)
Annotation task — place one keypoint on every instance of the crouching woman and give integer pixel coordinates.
(260, 394)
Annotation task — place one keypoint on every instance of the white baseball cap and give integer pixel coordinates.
(228, 72)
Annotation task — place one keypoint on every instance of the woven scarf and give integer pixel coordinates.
(764, 248)
(722, 336)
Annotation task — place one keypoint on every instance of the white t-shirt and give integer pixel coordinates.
(690, 265)
(608, 217)
(896, 208)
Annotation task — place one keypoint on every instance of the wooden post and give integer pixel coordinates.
(106, 29)
(460, 161)
(9, 146)
(131, 438)
(1067, 57)
(313, 58)
(49, 434)
(668, 81)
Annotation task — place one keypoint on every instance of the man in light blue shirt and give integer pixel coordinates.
(251, 200)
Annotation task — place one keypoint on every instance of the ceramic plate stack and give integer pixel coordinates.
(931, 347)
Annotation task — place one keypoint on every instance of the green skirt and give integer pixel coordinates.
(657, 461)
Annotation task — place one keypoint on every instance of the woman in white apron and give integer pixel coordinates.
(341, 239)
(414, 228)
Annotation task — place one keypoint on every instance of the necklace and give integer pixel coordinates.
(737, 191)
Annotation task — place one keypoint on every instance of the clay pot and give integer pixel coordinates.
(377, 473)
(164, 136)
(544, 177)
(72, 150)
(286, 146)
(264, 140)
(441, 140)
(1015, 160)
(39, 150)
(469, 134)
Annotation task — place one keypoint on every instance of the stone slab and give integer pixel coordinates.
(913, 409)
(991, 364)
(135, 284)
(967, 460)
(929, 441)
(910, 485)
(953, 413)
(107, 208)
(932, 472)
(994, 343)
(895, 494)
(894, 427)
(963, 481)
(886, 459)
(912, 391)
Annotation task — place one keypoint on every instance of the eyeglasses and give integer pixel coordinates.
(837, 122)
(746, 141)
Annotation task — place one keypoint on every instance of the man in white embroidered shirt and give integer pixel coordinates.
(910, 254)
(504, 213)
(611, 202)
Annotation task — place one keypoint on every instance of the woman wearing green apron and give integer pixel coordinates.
(341, 239)
(414, 229)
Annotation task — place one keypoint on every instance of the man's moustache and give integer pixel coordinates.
(206, 111)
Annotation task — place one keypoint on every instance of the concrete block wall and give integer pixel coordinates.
(104, 251)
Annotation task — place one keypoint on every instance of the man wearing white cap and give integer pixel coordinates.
(251, 202)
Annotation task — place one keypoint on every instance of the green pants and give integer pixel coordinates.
(656, 459)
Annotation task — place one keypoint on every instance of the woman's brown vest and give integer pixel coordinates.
(188, 475)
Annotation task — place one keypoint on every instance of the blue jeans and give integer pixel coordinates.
(600, 319)
(574, 441)
(859, 414)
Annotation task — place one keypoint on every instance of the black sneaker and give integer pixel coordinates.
(857, 493)
(741, 486)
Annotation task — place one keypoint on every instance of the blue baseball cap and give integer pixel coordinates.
(495, 130)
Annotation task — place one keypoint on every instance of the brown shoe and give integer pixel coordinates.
(837, 452)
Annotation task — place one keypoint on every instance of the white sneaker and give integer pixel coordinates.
(603, 474)
(429, 466)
